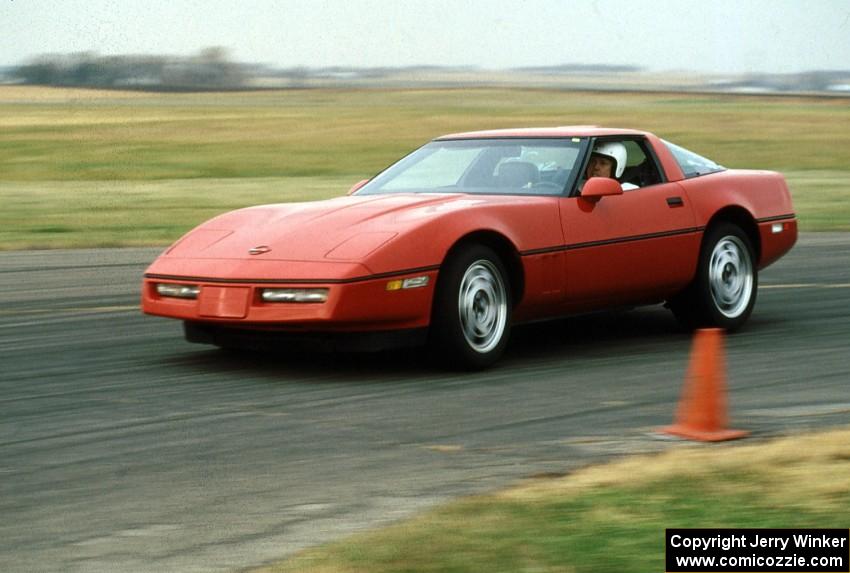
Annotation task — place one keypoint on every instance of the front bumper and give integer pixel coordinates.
(361, 304)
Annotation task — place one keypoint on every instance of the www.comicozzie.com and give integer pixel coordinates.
(758, 550)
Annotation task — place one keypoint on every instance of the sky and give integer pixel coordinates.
(715, 36)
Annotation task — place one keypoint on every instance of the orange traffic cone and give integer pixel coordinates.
(701, 415)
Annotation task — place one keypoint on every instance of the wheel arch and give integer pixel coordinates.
(504, 248)
(742, 218)
(696, 306)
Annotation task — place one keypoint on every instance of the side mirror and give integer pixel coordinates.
(357, 186)
(598, 187)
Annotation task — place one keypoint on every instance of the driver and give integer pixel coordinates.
(608, 160)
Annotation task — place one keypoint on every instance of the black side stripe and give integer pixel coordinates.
(293, 281)
(700, 229)
(629, 239)
(776, 218)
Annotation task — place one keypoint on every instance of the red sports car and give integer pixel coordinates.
(474, 232)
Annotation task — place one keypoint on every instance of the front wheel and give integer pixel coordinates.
(723, 293)
(470, 321)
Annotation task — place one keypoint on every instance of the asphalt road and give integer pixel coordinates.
(123, 448)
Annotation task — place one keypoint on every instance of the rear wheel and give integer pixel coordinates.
(723, 293)
(470, 321)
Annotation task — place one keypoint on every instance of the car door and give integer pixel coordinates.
(640, 246)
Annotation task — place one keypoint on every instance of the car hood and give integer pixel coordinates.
(341, 229)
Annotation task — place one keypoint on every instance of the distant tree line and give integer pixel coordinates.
(581, 69)
(209, 69)
(816, 80)
(212, 69)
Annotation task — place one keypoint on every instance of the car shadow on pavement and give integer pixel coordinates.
(602, 332)
(563, 339)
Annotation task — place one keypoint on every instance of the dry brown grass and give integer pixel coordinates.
(809, 470)
(39, 94)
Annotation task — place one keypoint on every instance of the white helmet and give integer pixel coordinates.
(617, 152)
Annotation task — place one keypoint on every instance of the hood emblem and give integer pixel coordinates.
(259, 250)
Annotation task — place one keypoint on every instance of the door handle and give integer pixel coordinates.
(675, 202)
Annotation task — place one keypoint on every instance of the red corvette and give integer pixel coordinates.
(474, 232)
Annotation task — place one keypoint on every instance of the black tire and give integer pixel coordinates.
(724, 290)
(471, 315)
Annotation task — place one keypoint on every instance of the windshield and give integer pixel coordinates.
(482, 166)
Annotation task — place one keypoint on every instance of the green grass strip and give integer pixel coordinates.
(88, 168)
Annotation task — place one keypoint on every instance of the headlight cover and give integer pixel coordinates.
(173, 290)
(294, 294)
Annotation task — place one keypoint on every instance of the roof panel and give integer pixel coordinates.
(562, 131)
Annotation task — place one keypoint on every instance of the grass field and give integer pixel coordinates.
(610, 518)
(88, 168)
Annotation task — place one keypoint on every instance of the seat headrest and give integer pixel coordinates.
(517, 174)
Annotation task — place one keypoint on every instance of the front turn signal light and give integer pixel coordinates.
(414, 282)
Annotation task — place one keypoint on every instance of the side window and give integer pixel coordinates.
(692, 165)
(641, 169)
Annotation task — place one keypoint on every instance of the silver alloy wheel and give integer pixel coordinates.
(482, 306)
(730, 276)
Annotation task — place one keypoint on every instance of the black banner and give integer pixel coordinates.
(758, 550)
